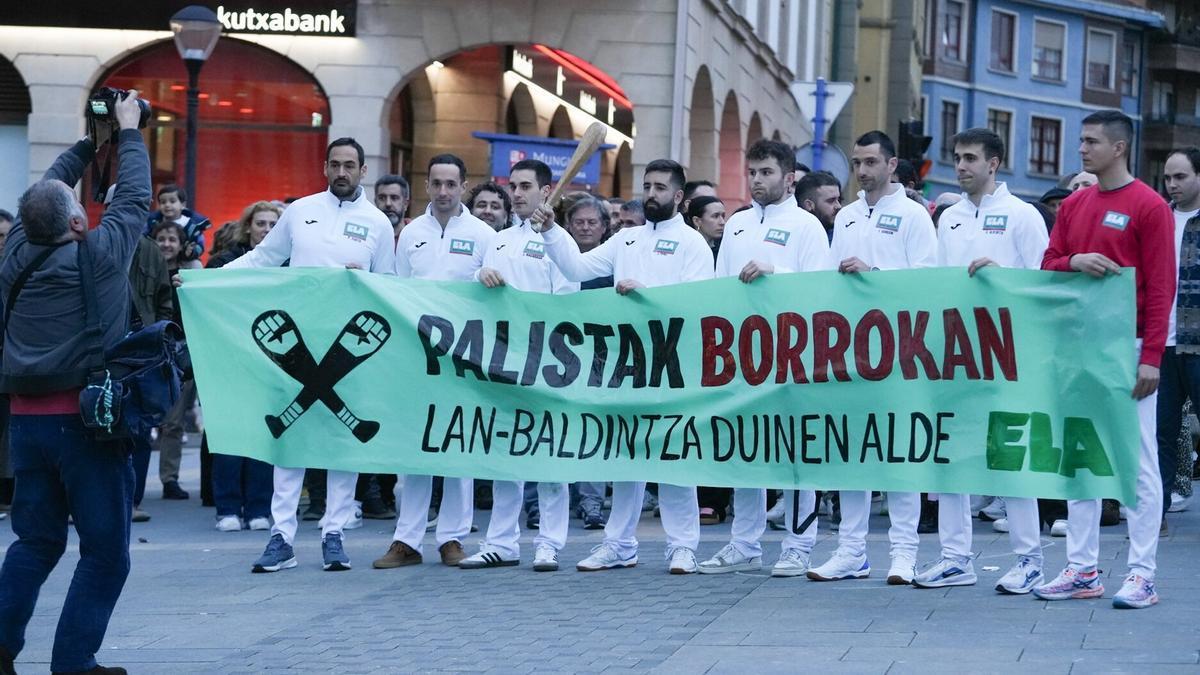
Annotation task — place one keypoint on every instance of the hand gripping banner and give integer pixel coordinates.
(1012, 383)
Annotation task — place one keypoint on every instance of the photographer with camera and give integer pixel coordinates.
(62, 471)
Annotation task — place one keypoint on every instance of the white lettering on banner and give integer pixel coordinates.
(285, 21)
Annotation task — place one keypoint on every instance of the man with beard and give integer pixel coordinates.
(391, 196)
(490, 203)
(773, 236)
(1118, 222)
(664, 251)
(883, 229)
(820, 194)
(987, 227)
(517, 258)
(336, 228)
(446, 243)
(1181, 359)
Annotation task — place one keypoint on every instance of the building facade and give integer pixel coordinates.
(692, 80)
(1031, 71)
(1171, 106)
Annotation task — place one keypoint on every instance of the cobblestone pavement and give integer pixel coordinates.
(191, 605)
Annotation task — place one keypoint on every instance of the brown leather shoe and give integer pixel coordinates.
(399, 554)
(452, 553)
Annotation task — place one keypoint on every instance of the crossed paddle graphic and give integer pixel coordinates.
(278, 336)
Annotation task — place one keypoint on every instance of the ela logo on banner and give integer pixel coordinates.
(535, 249)
(1115, 220)
(355, 231)
(777, 237)
(462, 246)
(666, 247)
(889, 224)
(995, 224)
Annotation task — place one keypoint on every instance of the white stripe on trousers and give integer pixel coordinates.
(678, 509)
(454, 516)
(1083, 515)
(504, 529)
(339, 501)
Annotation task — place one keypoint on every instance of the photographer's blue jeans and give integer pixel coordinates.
(242, 486)
(61, 472)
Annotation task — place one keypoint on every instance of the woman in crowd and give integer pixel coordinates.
(242, 486)
(707, 215)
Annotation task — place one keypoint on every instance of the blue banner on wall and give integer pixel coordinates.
(508, 149)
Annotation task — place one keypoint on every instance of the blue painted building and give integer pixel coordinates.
(1031, 71)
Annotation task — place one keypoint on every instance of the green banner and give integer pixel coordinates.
(1013, 383)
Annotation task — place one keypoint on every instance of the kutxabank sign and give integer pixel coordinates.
(1014, 382)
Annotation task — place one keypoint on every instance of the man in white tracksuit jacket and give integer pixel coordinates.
(446, 243)
(882, 230)
(773, 237)
(989, 226)
(339, 227)
(662, 252)
(517, 257)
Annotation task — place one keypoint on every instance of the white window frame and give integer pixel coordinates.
(958, 124)
(1066, 50)
(1062, 143)
(1016, 42)
(1112, 69)
(1007, 164)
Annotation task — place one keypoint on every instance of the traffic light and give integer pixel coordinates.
(913, 144)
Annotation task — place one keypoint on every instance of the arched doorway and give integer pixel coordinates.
(14, 135)
(702, 130)
(755, 131)
(507, 89)
(263, 124)
(732, 185)
(560, 125)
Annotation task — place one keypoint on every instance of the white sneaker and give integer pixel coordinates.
(1059, 528)
(545, 559)
(488, 558)
(792, 563)
(229, 524)
(993, 511)
(777, 512)
(1000, 525)
(945, 572)
(605, 557)
(729, 559)
(356, 520)
(1179, 503)
(840, 566)
(903, 571)
(260, 524)
(683, 561)
(979, 503)
(1022, 578)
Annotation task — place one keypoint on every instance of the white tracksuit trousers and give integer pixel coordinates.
(454, 517)
(504, 529)
(339, 501)
(678, 508)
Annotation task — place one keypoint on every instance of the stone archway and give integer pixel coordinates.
(755, 131)
(15, 107)
(702, 130)
(732, 186)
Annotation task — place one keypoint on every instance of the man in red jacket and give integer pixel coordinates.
(1119, 222)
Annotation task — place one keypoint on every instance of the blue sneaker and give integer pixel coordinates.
(335, 556)
(278, 556)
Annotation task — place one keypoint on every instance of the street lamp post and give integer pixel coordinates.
(196, 32)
